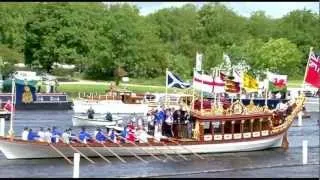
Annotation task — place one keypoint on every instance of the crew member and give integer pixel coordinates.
(90, 113)
(124, 134)
(66, 137)
(32, 136)
(48, 135)
(25, 134)
(100, 137)
(112, 135)
(55, 135)
(41, 135)
(84, 136)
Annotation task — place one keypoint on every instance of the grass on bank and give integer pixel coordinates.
(73, 90)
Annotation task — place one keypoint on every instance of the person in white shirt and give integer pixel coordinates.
(41, 135)
(282, 106)
(66, 137)
(25, 134)
(48, 135)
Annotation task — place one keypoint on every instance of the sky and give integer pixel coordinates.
(273, 9)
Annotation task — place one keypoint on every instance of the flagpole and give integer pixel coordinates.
(166, 103)
(11, 132)
(266, 89)
(201, 92)
(193, 90)
(305, 72)
(214, 75)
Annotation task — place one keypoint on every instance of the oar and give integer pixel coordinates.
(112, 152)
(196, 154)
(132, 153)
(104, 158)
(60, 153)
(75, 149)
(164, 153)
(179, 154)
(141, 148)
(92, 149)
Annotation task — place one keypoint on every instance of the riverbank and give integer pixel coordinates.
(98, 87)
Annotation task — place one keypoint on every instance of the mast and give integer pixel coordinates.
(193, 90)
(11, 132)
(201, 91)
(166, 101)
(305, 72)
(266, 89)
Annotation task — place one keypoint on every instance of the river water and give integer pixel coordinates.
(274, 162)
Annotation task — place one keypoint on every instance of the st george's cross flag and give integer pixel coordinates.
(203, 82)
(313, 70)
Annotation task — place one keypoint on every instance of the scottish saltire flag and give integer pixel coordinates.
(174, 81)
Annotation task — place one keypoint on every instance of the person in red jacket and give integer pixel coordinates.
(8, 106)
(131, 134)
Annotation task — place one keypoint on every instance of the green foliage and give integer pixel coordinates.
(98, 38)
(280, 56)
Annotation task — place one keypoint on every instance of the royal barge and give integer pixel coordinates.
(218, 129)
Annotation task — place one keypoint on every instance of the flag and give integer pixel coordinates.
(237, 76)
(198, 61)
(203, 82)
(232, 86)
(250, 84)
(218, 85)
(226, 59)
(8, 106)
(174, 81)
(223, 76)
(277, 82)
(313, 71)
(25, 91)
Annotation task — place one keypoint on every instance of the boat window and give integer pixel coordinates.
(256, 125)
(228, 127)
(246, 126)
(265, 125)
(217, 127)
(207, 127)
(237, 126)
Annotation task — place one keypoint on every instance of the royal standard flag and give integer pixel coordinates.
(250, 84)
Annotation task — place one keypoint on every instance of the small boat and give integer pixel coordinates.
(85, 121)
(116, 102)
(26, 83)
(232, 129)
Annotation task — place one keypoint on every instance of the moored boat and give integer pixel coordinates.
(115, 102)
(231, 129)
(85, 121)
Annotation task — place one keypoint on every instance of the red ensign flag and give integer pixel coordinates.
(313, 71)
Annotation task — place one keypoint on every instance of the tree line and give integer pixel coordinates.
(100, 38)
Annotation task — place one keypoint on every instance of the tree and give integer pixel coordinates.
(280, 56)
